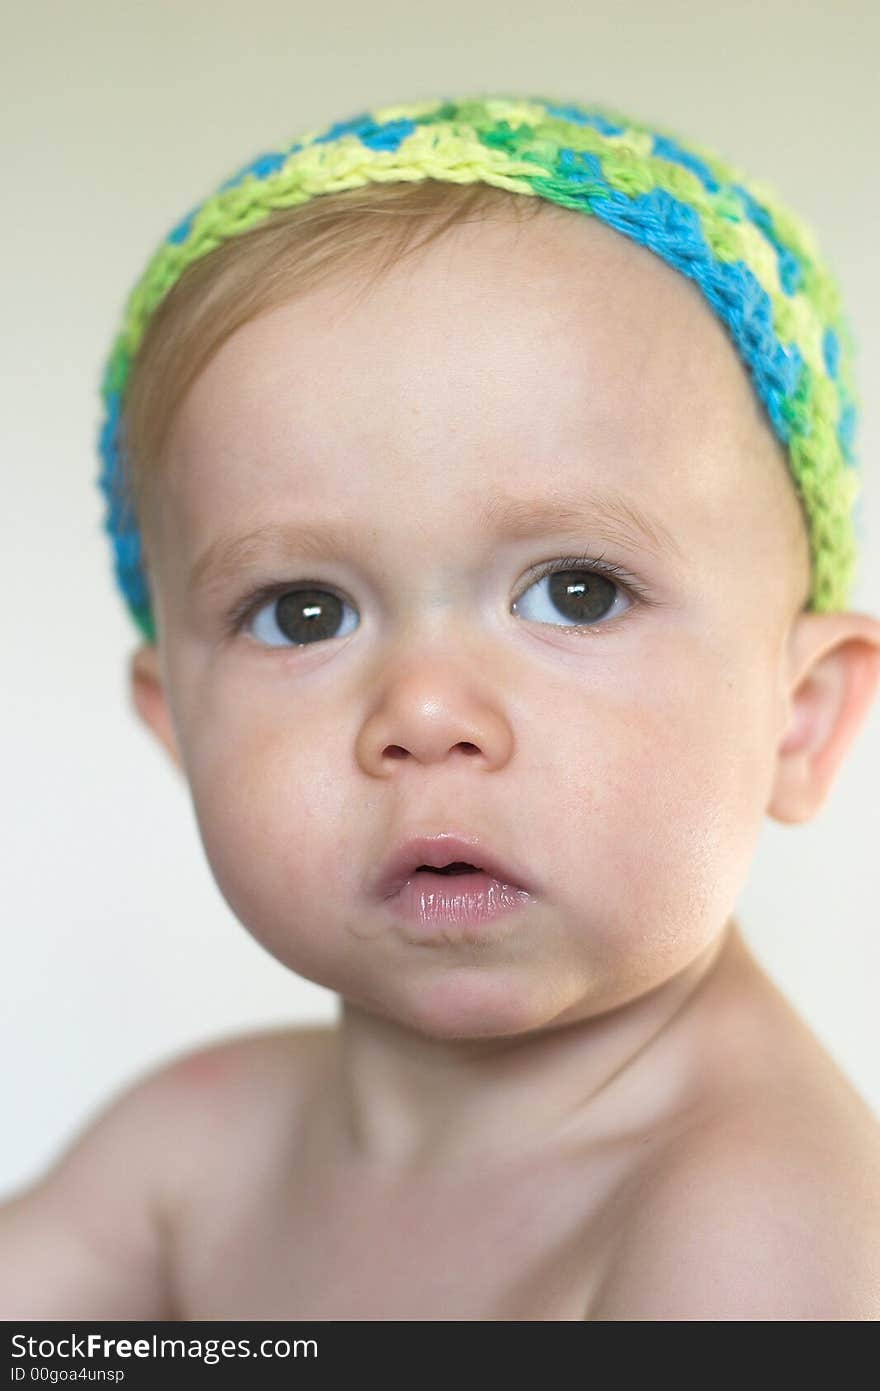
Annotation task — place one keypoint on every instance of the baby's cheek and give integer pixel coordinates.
(698, 798)
(269, 816)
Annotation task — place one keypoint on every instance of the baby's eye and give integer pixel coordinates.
(302, 616)
(573, 591)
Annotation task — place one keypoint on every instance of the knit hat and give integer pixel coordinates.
(755, 261)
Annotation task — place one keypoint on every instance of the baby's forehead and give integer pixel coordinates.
(540, 359)
(555, 320)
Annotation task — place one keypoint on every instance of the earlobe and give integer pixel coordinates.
(838, 671)
(149, 698)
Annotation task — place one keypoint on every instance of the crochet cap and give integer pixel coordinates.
(755, 261)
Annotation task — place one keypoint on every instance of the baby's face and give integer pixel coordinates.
(624, 762)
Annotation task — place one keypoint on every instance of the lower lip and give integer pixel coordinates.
(432, 900)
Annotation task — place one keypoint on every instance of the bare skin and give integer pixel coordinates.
(729, 1170)
(608, 1111)
(563, 1232)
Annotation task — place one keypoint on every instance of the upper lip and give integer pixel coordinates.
(439, 850)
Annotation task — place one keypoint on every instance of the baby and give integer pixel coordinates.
(493, 590)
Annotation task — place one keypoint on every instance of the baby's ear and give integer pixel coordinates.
(834, 673)
(150, 700)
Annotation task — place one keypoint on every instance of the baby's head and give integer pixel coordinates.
(465, 512)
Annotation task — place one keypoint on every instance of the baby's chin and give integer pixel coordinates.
(471, 1000)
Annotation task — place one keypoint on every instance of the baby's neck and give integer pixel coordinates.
(404, 1105)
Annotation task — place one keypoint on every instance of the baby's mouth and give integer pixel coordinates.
(432, 856)
(458, 867)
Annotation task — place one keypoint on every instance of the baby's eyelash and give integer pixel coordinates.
(590, 562)
(248, 605)
(253, 600)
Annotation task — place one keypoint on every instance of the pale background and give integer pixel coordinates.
(118, 949)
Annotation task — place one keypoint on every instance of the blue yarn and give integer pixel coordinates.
(791, 273)
(831, 351)
(846, 431)
(668, 149)
(261, 168)
(582, 118)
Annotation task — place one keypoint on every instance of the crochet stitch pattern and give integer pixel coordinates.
(754, 260)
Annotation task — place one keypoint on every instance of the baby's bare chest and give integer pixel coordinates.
(455, 1251)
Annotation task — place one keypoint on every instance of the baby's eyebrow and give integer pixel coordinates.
(608, 517)
(611, 516)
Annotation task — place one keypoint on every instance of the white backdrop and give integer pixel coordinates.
(117, 948)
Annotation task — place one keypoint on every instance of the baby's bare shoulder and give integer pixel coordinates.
(224, 1065)
(92, 1235)
(761, 1213)
(240, 1090)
